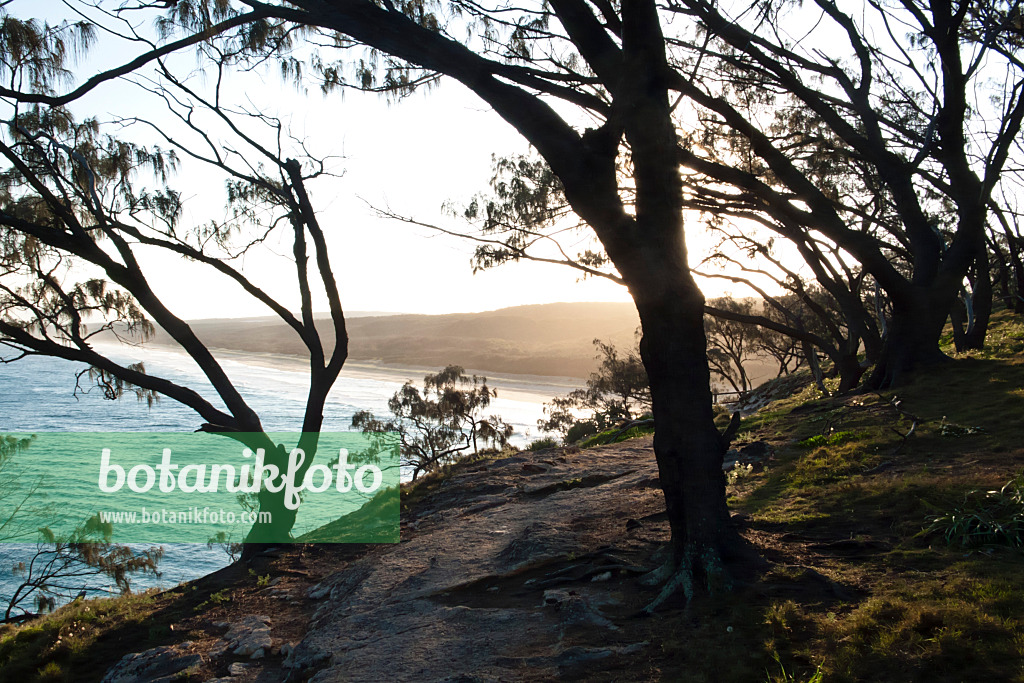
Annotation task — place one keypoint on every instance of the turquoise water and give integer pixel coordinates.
(38, 395)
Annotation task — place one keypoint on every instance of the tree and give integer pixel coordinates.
(613, 68)
(618, 391)
(66, 565)
(894, 110)
(440, 423)
(73, 222)
(836, 317)
(731, 344)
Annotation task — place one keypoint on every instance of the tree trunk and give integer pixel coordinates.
(850, 372)
(811, 354)
(981, 300)
(958, 321)
(912, 338)
(687, 445)
(275, 530)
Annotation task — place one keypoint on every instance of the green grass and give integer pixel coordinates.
(993, 518)
(925, 531)
(55, 646)
(614, 436)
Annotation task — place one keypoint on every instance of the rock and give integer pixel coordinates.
(602, 577)
(577, 656)
(575, 609)
(158, 665)
(513, 460)
(249, 636)
(757, 451)
(238, 669)
(484, 503)
(319, 591)
(304, 656)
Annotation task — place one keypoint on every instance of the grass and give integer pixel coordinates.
(79, 641)
(217, 598)
(921, 532)
(984, 519)
(542, 444)
(615, 435)
(73, 637)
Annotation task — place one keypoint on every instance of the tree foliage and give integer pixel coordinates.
(437, 425)
(617, 391)
(81, 204)
(59, 566)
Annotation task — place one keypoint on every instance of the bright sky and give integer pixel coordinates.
(411, 156)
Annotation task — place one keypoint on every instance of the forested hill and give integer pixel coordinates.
(543, 339)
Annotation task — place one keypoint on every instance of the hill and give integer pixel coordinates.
(542, 339)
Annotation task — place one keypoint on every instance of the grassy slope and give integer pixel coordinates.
(907, 607)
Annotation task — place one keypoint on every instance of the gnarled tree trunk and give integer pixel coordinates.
(912, 338)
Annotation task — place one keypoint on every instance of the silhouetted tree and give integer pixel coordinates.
(617, 391)
(442, 422)
(73, 220)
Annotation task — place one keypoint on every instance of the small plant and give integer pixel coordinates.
(51, 672)
(786, 677)
(739, 472)
(985, 518)
(218, 598)
(232, 549)
(954, 430)
(541, 444)
(261, 581)
(833, 439)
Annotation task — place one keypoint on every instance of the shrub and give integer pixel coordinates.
(580, 430)
(541, 444)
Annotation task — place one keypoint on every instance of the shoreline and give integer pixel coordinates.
(511, 386)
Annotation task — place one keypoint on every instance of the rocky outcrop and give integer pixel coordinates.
(497, 576)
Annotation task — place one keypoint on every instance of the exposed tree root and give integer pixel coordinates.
(697, 569)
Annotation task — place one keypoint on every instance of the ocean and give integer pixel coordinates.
(38, 394)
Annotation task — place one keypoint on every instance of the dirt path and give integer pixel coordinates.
(513, 570)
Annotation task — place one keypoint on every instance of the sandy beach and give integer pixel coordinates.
(530, 388)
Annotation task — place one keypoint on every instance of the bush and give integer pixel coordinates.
(616, 435)
(541, 444)
(580, 430)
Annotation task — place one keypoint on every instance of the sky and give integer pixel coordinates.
(411, 156)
